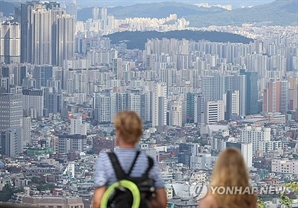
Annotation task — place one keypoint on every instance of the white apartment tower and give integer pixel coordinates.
(27, 130)
(63, 47)
(214, 111)
(33, 103)
(11, 142)
(117, 68)
(242, 96)
(102, 106)
(232, 104)
(10, 42)
(175, 114)
(246, 151)
(77, 126)
(284, 166)
(258, 136)
(95, 13)
(47, 35)
(134, 101)
(159, 106)
(11, 127)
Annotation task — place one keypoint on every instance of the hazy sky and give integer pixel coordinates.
(234, 3)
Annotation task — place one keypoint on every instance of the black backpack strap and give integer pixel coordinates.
(150, 165)
(133, 163)
(120, 174)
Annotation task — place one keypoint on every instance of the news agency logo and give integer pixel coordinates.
(199, 191)
(258, 190)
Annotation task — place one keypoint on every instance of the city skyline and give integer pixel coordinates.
(63, 79)
(235, 3)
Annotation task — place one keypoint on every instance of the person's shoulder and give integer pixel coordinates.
(148, 157)
(207, 202)
(103, 156)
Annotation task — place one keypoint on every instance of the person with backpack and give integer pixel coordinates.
(127, 177)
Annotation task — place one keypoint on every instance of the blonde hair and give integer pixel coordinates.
(130, 126)
(230, 171)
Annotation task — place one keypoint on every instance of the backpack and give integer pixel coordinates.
(129, 192)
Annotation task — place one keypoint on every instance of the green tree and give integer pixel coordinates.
(286, 201)
(292, 185)
(44, 187)
(6, 193)
(112, 133)
(261, 204)
(37, 180)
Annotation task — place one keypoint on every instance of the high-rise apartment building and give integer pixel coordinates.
(33, 103)
(119, 102)
(95, 13)
(12, 142)
(41, 74)
(10, 42)
(258, 136)
(232, 104)
(43, 29)
(276, 96)
(20, 73)
(53, 100)
(72, 9)
(190, 107)
(199, 109)
(146, 106)
(27, 130)
(102, 107)
(213, 87)
(11, 111)
(271, 97)
(134, 101)
(117, 68)
(77, 126)
(214, 111)
(246, 150)
(242, 95)
(293, 93)
(11, 128)
(63, 44)
(175, 114)
(71, 143)
(251, 92)
(103, 17)
(159, 106)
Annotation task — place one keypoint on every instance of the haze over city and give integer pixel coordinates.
(202, 75)
(235, 3)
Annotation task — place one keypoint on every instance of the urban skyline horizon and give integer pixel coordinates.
(62, 81)
(235, 4)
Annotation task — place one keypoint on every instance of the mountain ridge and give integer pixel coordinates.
(279, 12)
(151, 10)
(138, 39)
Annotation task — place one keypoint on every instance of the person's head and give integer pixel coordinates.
(230, 171)
(129, 127)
